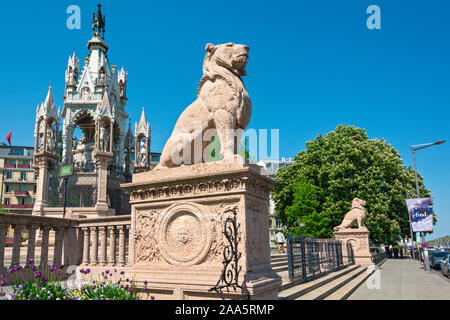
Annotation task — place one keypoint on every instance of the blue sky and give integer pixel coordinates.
(313, 65)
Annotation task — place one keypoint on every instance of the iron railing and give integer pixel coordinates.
(311, 258)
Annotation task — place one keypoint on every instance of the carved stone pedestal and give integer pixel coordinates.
(177, 240)
(359, 239)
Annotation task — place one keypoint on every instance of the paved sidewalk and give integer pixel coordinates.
(402, 279)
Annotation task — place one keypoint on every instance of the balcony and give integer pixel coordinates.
(17, 206)
(23, 166)
(19, 193)
(9, 165)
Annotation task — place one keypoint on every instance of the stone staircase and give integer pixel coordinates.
(337, 285)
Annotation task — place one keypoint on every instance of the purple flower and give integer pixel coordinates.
(145, 282)
(3, 283)
(18, 268)
(30, 261)
(11, 270)
(115, 270)
(153, 297)
(122, 272)
(88, 270)
(105, 277)
(20, 287)
(34, 268)
(107, 271)
(2, 294)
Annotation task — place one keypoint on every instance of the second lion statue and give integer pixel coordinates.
(357, 213)
(222, 103)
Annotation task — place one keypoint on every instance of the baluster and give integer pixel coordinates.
(18, 229)
(57, 255)
(112, 246)
(3, 228)
(121, 245)
(85, 246)
(127, 247)
(94, 251)
(44, 245)
(102, 232)
(31, 242)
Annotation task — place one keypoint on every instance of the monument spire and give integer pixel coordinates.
(98, 23)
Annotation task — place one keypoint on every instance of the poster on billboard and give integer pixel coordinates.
(421, 214)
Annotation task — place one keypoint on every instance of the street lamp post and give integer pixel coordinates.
(414, 149)
(302, 225)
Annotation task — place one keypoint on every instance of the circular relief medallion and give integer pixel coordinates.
(184, 236)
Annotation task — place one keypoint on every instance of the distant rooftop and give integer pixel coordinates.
(7, 151)
(271, 166)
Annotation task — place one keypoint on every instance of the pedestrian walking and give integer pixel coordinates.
(280, 241)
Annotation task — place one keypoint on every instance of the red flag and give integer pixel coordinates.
(8, 137)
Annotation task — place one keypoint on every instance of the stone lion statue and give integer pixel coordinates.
(222, 104)
(358, 213)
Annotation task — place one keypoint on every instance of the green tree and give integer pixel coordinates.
(342, 165)
(304, 210)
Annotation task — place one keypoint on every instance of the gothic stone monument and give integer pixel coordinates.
(358, 238)
(94, 137)
(179, 209)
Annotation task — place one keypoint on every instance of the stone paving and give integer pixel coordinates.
(403, 279)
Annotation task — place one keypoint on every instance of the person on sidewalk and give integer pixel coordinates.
(280, 241)
(401, 253)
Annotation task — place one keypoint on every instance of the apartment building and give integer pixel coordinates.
(17, 179)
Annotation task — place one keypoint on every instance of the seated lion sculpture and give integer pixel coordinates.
(358, 213)
(222, 104)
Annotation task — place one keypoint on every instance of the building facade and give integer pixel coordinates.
(270, 168)
(17, 179)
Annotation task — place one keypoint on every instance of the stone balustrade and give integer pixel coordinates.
(105, 240)
(95, 241)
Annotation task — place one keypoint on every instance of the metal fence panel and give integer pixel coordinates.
(309, 258)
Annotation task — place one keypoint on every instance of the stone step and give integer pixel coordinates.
(280, 258)
(347, 290)
(280, 269)
(327, 289)
(279, 264)
(291, 290)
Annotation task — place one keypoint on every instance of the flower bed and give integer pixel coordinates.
(50, 283)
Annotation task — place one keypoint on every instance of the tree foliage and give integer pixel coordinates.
(319, 187)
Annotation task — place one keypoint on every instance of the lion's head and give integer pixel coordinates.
(358, 203)
(231, 56)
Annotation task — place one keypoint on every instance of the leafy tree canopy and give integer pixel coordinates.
(319, 187)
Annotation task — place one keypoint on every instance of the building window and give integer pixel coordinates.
(34, 189)
(26, 162)
(22, 188)
(9, 175)
(8, 188)
(22, 201)
(23, 176)
(6, 200)
(17, 152)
